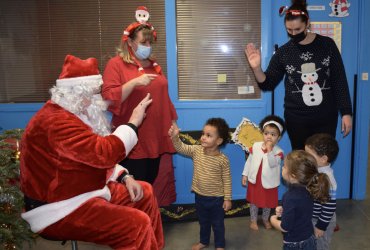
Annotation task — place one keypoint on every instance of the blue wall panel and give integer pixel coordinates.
(193, 114)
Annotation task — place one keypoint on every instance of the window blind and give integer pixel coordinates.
(35, 36)
(211, 37)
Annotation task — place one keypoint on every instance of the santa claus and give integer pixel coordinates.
(73, 188)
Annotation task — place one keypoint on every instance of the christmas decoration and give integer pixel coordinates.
(14, 231)
(246, 134)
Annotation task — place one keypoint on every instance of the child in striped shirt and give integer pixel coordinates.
(325, 149)
(211, 179)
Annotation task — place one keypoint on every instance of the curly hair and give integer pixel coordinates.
(323, 144)
(275, 119)
(303, 167)
(222, 128)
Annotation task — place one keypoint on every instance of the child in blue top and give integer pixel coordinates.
(294, 217)
(325, 149)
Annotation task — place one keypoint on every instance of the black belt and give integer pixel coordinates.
(31, 203)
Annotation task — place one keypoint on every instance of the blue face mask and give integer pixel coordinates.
(143, 52)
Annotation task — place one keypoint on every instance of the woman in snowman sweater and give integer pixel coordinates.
(316, 86)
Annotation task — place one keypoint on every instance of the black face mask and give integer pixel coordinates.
(297, 37)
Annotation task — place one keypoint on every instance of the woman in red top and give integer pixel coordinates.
(128, 77)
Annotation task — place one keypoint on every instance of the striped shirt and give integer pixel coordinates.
(212, 176)
(324, 212)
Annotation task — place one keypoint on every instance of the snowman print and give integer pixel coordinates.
(311, 91)
(339, 8)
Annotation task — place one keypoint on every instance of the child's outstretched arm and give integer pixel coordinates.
(174, 132)
(180, 147)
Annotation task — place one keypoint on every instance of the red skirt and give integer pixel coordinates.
(260, 196)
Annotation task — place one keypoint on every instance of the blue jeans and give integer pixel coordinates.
(211, 215)
(309, 244)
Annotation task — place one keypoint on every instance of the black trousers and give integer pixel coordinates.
(145, 169)
(299, 131)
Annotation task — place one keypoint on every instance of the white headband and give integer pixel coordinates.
(275, 123)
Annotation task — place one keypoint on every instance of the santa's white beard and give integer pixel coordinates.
(81, 101)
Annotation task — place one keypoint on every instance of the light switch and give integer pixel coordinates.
(365, 76)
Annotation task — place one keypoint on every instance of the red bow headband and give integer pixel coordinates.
(284, 10)
(132, 27)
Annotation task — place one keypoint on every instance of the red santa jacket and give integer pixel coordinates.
(62, 158)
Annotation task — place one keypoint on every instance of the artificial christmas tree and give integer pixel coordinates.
(14, 231)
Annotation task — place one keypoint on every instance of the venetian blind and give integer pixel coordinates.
(211, 39)
(35, 36)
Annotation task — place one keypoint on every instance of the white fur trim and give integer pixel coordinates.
(41, 217)
(83, 80)
(275, 123)
(127, 135)
(118, 169)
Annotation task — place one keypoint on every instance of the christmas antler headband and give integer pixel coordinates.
(142, 16)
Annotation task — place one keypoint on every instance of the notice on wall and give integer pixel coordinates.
(330, 29)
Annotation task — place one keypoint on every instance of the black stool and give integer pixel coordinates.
(73, 242)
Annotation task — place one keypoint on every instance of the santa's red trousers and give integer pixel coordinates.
(119, 223)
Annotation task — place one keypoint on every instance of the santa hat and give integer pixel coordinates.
(343, 4)
(142, 14)
(76, 71)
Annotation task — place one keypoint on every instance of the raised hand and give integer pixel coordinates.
(174, 131)
(253, 55)
(138, 114)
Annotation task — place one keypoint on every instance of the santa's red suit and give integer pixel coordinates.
(64, 169)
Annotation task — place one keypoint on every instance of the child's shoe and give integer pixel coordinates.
(198, 246)
(267, 224)
(254, 225)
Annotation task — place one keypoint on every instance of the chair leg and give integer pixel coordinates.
(74, 245)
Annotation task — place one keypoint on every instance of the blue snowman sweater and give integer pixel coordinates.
(315, 80)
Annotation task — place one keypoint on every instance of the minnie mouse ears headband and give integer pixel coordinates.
(284, 10)
(142, 16)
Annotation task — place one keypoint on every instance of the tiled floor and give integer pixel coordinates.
(353, 219)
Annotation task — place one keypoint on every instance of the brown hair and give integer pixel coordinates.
(297, 5)
(323, 144)
(123, 51)
(303, 167)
